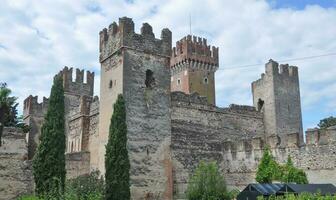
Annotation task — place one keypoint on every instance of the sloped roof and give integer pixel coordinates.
(323, 189)
(264, 189)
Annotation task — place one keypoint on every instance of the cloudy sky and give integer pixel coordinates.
(38, 38)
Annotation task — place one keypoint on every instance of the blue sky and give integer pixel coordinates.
(39, 38)
(301, 4)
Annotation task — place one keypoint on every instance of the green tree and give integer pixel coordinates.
(327, 122)
(291, 174)
(207, 183)
(117, 163)
(268, 168)
(8, 108)
(49, 160)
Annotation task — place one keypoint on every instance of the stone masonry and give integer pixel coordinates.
(171, 116)
(16, 177)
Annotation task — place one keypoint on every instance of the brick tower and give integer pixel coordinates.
(193, 66)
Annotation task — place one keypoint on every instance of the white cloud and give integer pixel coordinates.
(39, 37)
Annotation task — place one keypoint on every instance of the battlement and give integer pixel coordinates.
(317, 136)
(79, 86)
(122, 35)
(32, 107)
(194, 51)
(196, 101)
(272, 69)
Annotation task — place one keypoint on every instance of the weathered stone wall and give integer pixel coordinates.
(200, 132)
(279, 92)
(141, 63)
(317, 159)
(77, 164)
(16, 176)
(33, 115)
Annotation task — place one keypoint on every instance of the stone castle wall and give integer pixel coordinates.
(200, 132)
(317, 159)
(16, 178)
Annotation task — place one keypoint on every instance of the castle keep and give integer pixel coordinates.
(172, 118)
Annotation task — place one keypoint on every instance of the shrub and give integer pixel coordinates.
(207, 183)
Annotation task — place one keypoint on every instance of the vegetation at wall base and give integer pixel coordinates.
(84, 187)
(49, 160)
(269, 170)
(117, 163)
(207, 183)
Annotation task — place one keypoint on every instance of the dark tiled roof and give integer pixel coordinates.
(323, 189)
(264, 189)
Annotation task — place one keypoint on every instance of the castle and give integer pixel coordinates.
(172, 118)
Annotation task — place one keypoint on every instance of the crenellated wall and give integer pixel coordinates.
(200, 131)
(16, 178)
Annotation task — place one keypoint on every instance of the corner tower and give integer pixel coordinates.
(193, 66)
(137, 66)
(277, 95)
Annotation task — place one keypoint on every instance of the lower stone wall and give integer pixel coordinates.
(238, 159)
(77, 164)
(16, 177)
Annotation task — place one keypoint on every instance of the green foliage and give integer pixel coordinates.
(85, 187)
(207, 184)
(304, 196)
(291, 174)
(8, 106)
(117, 163)
(327, 122)
(267, 169)
(8, 111)
(49, 160)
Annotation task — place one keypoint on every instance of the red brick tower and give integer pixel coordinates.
(193, 66)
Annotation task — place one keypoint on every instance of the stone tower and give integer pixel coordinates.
(33, 115)
(277, 95)
(137, 66)
(193, 66)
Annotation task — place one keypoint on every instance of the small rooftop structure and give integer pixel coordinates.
(323, 189)
(252, 191)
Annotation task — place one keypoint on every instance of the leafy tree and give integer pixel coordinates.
(207, 183)
(49, 160)
(267, 169)
(291, 174)
(117, 163)
(327, 122)
(8, 110)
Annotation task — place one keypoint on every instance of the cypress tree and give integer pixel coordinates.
(117, 163)
(49, 160)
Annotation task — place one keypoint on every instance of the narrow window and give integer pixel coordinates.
(110, 84)
(260, 104)
(205, 80)
(178, 81)
(150, 80)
